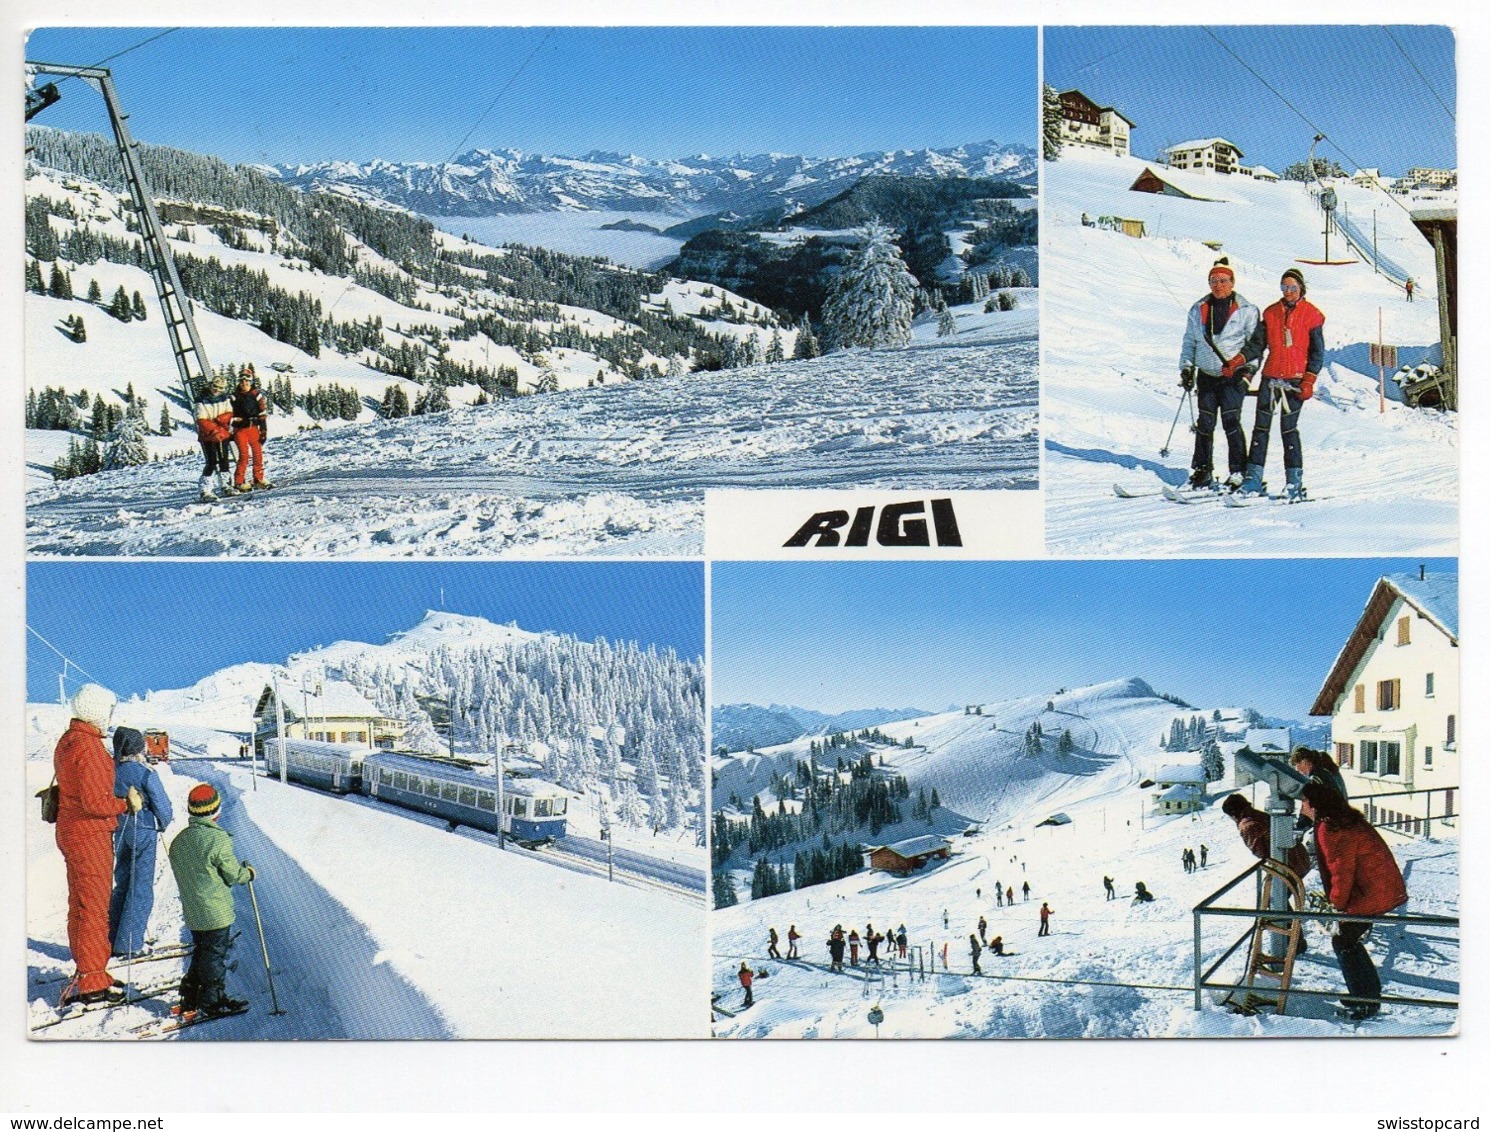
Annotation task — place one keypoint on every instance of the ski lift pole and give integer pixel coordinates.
(263, 947)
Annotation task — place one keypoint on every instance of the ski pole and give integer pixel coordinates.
(1185, 397)
(264, 947)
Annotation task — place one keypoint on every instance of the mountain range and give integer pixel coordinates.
(745, 727)
(484, 182)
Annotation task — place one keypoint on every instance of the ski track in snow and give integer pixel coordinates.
(977, 765)
(618, 470)
(1386, 483)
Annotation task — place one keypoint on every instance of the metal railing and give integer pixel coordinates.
(1411, 825)
(1209, 907)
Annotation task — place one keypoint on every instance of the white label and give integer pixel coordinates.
(843, 525)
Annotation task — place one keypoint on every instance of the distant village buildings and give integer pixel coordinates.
(1083, 122)
(1179, 789)
(1393, 697)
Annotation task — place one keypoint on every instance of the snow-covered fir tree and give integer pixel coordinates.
(126, 447)
(1050, 124)
(872, 301)
(946, 322)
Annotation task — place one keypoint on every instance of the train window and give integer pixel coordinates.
(449, 791)
(468, 796)
(486, 800)
(560, 806)
(400, 780)
(416, 785)
(385, 777)
(541, 807)
(519, 807)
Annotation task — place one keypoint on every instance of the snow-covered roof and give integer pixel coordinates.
(1264, 172)
(916, 846)
(1181, 792)
(328, 699)
(1434, 596)
(1181, 774)
(1204, 142)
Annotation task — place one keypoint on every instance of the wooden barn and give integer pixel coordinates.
(904, 857)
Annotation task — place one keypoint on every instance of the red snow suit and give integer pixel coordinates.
(1289, 334)
(86, 811)
(1359, 872)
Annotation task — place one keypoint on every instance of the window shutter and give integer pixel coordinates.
(1404, 630)
(1360, 697)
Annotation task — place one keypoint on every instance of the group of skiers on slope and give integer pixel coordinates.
(1225, 340)
(109, 814)
(238, 419)
(1357, 870)
(1189, 860)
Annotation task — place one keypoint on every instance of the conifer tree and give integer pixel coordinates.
(872, 301)
(126, 446)
(137, 307)
(119, 306)
(34, 282)
(1050, 124)
(61, 285)
(95, 293)
(946, 322)
(165, 419)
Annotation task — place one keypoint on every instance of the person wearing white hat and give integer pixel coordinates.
(87, 812)
(214, 434)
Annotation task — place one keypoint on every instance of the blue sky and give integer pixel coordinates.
(1354, 83)
(312, 94)
(1250, 633)
(138, 626)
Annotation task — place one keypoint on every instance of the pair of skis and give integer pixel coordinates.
(1207, 495)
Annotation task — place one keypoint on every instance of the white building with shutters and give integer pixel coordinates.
(1393, 695)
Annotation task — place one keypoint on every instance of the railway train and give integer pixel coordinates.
(534, 812)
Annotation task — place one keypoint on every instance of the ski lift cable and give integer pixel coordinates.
(505, 88)
(1304, 117)
(110, 58)
(1396, 43)
(67, 659)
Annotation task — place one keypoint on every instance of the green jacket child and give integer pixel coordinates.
(206, 869)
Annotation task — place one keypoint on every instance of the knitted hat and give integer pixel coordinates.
(1295, 274)
(128, 743)
(1223, 267)
(203, 801)
(93, 704)
(218, 384)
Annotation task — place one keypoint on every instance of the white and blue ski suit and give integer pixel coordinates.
(133, 897)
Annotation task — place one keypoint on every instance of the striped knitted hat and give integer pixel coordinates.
(203, 801)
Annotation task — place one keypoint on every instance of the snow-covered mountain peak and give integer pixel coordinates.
(440, 627)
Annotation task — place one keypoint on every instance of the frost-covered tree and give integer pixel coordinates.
(126, 447)
(1050, 124)
(806, 346)
(946, 322)
(872, 301)
(677, 365)
(775, 352)
(1212, 762)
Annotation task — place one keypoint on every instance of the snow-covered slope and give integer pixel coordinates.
(1108, 968)
(609, 470)
(1382, 482)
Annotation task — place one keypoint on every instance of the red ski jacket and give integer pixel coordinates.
(85, 779)
(1295, 339)
(1359, 872)
(1256, 832)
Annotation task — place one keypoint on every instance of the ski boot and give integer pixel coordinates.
(243, 489)
(224, 483)
(1201, 479)
(209, 495)
(1234, 481)
(262, 485)
(1253, 484)
(1295, 492)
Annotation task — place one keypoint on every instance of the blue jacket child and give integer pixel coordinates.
(134, 845)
